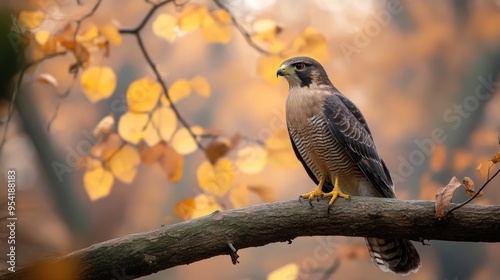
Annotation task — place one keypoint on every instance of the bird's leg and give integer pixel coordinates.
(335, 193)
(315, 193)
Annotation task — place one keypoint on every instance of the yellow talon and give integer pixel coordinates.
(336, 192)
(316, 192)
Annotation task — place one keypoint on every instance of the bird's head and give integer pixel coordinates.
(304, 72)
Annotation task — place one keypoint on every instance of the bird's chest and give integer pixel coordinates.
(322, 153)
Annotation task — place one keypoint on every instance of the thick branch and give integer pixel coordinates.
(194, 240)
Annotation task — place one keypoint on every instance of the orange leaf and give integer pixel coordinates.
(444, 196)
(152, 154)
(484, 167)
(185, 208)
(216, 150)
(110, 142)
(495, 158)
(469, 187)
(172, 163)
(98, 83)
(216, 179)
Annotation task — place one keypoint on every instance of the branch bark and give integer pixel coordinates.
(194, 240)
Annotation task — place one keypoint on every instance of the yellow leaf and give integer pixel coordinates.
(191, 17)
(183, 142)
(217, 28)
(185, 208)
(251, 159)
(30, 20)
(109, 144)
(200, 85)
(215, 179)
(239, 196)
(164, 26)
(98, 83)
(311, 43)
(265, 29)
(286, 272)
(123, 163)
(142, 95)
(205, 205)
(151, 135)
(104, 127)
(88, 34)
(164, 121)
(280, 152)
(444, 196)
(131, 126)
(267, 66)
(98, 183)
(42, 36)
(111, 33)
(172, 163)
(179, 89)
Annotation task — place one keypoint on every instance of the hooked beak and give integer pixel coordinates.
(282, 71)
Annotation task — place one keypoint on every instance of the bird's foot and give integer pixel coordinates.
(335, 193)
(316, 193)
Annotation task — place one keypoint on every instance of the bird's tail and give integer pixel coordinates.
(396, 255)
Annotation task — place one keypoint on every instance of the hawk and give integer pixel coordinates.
(332, 140)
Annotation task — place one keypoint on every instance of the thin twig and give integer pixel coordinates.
(136, 32)
(474, 196)
(244, 32)
(16, 90)
(86, 16)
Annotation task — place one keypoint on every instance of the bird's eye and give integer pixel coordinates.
(300, 66)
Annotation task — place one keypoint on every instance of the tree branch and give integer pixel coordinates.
(194, 240)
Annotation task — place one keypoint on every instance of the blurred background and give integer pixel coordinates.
(416, 69)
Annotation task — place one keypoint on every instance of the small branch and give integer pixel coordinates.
(136, 32)
(244, 32)
(473, 197)
(194, 240)
(16, 90)
(83, 18)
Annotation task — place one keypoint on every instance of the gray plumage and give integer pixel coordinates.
(332, 140)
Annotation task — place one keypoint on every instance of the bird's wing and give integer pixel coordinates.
(349, 127)
(301, 159)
